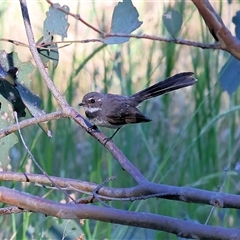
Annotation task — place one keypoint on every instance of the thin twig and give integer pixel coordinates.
(226, 170)
(17, 43)
(31, 121)
(142, 36)
(11, 210)
(77, 16)
(35, 161)
(95, 191)
(138, 36)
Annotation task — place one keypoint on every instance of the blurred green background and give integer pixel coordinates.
(193, 139)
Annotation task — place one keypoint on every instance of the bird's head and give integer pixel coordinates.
(92, 102)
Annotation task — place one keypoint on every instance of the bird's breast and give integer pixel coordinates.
(97, 118)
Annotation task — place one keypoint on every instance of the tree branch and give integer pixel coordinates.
(144, 189)
(217, 28)
(215, 24)
(141, 191)
(31, 121)
(68, 111)
(146, 220)
(32, 46)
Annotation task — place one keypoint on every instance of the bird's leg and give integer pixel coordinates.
(114, 134)
(110, 138)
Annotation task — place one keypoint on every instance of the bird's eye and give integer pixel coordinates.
(92, 101)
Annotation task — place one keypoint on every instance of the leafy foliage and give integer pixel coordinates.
(56, 23)
(14, 87)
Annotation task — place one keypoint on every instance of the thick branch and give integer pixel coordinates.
(72, 211)
(217, 28)
(142, 191)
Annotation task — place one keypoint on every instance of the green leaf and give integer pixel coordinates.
(6, 143)
(49, 52)
(33, 104)
(10, 93)
(10, 65)
(124, 21)
(172, 20)
(8, 90)
(229, 75)
(56, 21)
(10, 61)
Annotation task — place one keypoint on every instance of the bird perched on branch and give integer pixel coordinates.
(115, 111)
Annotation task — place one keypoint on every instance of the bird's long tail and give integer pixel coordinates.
(170, 84)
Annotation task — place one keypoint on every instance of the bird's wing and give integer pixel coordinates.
(126, 114)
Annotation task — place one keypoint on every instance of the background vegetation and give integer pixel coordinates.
(193, 139)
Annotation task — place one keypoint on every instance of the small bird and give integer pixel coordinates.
(115, 111)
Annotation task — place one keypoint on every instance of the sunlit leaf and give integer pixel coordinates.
(11, 60)
(49, 52)
(124, 21)
(56, 21)
(172, 20)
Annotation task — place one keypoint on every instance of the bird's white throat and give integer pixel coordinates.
(92, 109)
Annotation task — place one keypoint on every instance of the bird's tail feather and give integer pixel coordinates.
(170, 84)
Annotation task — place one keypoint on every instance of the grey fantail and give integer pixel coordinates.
(114, 111)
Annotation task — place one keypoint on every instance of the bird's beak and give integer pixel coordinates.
(81, 104)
